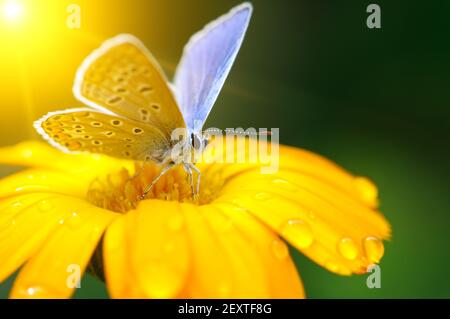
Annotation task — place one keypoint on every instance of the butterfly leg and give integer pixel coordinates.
(188, 170)
(155, 180)
(199, 174)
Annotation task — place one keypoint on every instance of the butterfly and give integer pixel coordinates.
(133, 109)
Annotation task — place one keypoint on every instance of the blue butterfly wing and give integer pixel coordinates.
(206, 62)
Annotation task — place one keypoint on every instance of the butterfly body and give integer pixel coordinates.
(133, 112)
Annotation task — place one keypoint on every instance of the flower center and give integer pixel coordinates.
(120, 191)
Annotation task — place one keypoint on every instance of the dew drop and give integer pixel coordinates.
(13, 208)
(36, 291)
(297, 231)
(27, 153)
(175, 223)
(280, 249)
(31, 291)
(45, 206)
(373, 248)
(239, 209)
(262, 196)
(284, 184)
(347, 248)
(224, 289)
(74, 221)
(6, 228)
(95, 234)
(367, 190)
(332, 266)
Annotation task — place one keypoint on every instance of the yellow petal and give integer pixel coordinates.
(42, 155)
(25, 223)
(249, 276)
(327, 224)
(44, 180)
(52, 271)
(155, 246)
(272, 254)
(121, 282)
(211, 275)
(321, 168)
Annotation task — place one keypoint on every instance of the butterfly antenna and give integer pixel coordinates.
(261, 133)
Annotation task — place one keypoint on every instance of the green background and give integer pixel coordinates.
(376, 101)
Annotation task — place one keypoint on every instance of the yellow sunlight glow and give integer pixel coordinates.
(12, 10)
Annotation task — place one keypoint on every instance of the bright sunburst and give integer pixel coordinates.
(12, 10)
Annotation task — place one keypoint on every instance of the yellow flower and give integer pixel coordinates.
(82, 210)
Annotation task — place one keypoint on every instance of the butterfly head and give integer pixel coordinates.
(198, 142)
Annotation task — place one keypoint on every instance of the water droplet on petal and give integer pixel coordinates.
(74, 221)
(373, 248)
(6, 228)
(38, 292)
(262, 196)
(31, 291)
(367, 190)
(95, 234)
(224, 289)
(13, 208)
(239, 209)
(159, 280)
(27, 153)
(17, 204)
(45, 206)
(298, 232)
(347, 248)
(280, 249)
(332, 266)
(175, 223)
(284, 184)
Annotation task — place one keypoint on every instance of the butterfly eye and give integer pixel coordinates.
(196, 142)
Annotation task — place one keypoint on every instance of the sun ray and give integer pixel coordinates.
(27, 96)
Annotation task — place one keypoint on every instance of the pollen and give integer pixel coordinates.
(120, 191)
